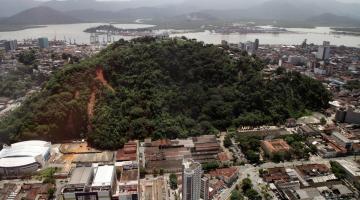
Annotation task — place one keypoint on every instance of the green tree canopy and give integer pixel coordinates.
(160, 88)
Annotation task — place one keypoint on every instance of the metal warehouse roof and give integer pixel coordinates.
(81, 175)
(104, 176)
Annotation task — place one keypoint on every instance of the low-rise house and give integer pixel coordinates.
(272, 147)
(228, 175)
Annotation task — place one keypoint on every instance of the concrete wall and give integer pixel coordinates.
(19, 171)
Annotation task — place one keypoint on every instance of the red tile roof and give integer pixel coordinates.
(128, 152)
(225, 172)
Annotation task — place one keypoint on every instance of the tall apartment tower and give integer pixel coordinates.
(191, 186)
(204, 188)
(256, 44)
(43, 43)
(324, 51)
(10, 45)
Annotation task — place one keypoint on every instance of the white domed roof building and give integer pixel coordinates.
(23, 157)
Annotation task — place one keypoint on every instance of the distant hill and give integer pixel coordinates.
(170, 11)
(328, 19)
(289, 10)
(125, 14)
(39, 16)
(11, 7)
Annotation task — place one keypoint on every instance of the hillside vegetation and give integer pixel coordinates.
(160, 88)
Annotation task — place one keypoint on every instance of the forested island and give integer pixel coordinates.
(105, 29)
(160, 88)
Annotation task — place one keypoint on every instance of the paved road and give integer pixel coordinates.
(238, 153)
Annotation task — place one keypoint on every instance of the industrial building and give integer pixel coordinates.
(23, 158)
(91, 183)
(206, 149)
(168, 154)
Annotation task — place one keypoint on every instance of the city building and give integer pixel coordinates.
(297, 60)
(342, 140)
(321, 192)
(228, 175)
(91, 183)
(8, 190)
(10, 45)
(168, 154)
(315, 172)
(256, 44)
(128, 185)
(307, 130)
(324, 51)
(204, 193)
(352, 170)
(215, 186)
(153, 188)
(128, 152)
(272, 147)
(206, 149)
(191, 180)
(350, 116)
(43, 43)
(81, 178)
(306, 194)
(104, 182)
(250, 47)
(37, 191)
(23, 158)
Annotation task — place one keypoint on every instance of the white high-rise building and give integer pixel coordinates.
(191, 186)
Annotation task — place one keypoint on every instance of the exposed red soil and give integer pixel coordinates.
(92, 101)
(77, 95)
(100, 77)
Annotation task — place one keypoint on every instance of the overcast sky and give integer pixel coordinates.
(350, 1)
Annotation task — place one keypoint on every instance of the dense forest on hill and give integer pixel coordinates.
(159, 88)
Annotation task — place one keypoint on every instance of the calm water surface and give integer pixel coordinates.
(75, 32)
